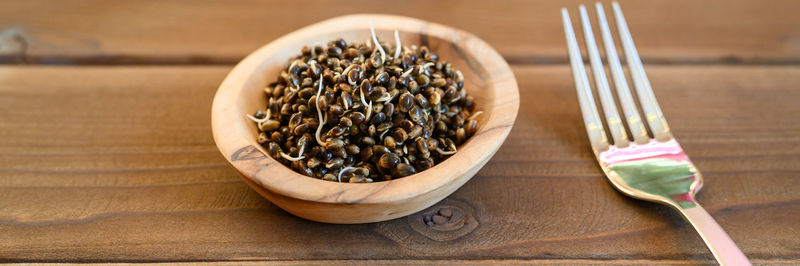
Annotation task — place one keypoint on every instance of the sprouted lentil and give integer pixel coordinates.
(375, 116)
(376, 43)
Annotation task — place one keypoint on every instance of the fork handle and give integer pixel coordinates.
(724, 249)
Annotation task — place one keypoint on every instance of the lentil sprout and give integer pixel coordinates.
(351, 112)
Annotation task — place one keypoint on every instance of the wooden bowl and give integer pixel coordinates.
(487, 78)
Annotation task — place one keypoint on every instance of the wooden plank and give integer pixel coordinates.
(447, 262)
(105, 164)
(176, 32)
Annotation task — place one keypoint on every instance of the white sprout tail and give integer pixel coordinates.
(377, 44)
(319, 113)
(399, 46)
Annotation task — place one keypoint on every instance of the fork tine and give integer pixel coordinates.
(594, 126)
(606, 99)
(620, 83)
(656, 120)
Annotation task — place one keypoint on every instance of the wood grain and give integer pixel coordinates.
(178, 32)
(101, 164)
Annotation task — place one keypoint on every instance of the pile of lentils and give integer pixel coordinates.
(383, 116)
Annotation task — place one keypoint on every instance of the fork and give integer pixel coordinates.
(649, 168)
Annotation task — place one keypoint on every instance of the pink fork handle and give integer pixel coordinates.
(724, 249)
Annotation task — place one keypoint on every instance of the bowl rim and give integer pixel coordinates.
(249, 159)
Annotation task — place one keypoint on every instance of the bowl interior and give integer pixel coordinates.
(252, 94)
(487, 78)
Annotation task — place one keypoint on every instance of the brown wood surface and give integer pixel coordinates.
(104, 164)
(666, 31)
(117, 163)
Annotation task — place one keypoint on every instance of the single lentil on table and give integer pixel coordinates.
(383, 116)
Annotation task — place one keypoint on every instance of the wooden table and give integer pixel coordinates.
(106, 152)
